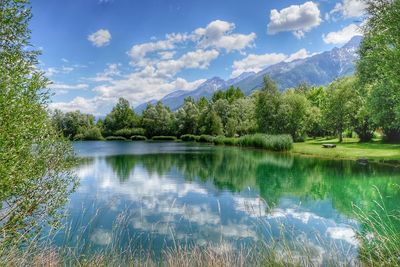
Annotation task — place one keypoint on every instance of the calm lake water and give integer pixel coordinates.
(156, 194)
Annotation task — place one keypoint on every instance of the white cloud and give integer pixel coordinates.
(140, 51)
(256, 63)
(157, 64)
(63, 86)
(342, 36)
(108, 74)
(100, 38)
(199, 59)
(78, 103)
(302, 53)
(350, 8)
(297, 19)
(218, 34)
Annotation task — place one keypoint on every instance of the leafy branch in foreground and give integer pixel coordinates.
(35, 176)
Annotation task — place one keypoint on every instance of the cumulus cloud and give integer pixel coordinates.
(218, 34)
(255, 63)
(342, 36)
(157, 64)
(63, 86)
(108, 74)
(350, 8)
(297, 19)
(100, 38)
(78, 103)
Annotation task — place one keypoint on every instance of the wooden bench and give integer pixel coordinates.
(328, 145)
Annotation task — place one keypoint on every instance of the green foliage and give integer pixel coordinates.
(204, 138)
(340, 106)
(267, 107)
(209, 122)
(293, 114)
(222, 140)
(270, 142)
(187, 118)
(190, 138)
(92, 133)
(35, 163)
(231, 95)
(164, 138)
(72, 123)
(122, 116)
(379, 65)
(115, 138)
(138, 138)
(158, 120)
(128, 132)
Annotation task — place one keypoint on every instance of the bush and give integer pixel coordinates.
(92, 133)
(138, 138)
(206, 138)
(190, 138)
(219, 140)
(115, 138)
(271, 142)
(164, 138)
(230, 141)
(128, 132)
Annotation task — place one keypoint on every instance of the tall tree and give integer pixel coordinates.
(379, 65)
(122, 116)
(340, 106)
(267, 107)
(35, 176)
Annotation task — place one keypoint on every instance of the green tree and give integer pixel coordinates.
(210, 123)
(121, 116)
(293, 114)
(267, 107)
(72, 123)
(379, 65)
(158, 120)
(35, 175)
(187, 117)
(340, 106)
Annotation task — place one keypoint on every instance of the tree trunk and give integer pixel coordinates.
(340, 136)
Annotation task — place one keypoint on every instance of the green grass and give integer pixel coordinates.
(349, 149)
(281, 142)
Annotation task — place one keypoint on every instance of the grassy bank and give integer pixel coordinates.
(350, 149)
(281, 142)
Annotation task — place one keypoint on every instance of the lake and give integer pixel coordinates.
(159, 194)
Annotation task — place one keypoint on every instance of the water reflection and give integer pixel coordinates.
(176, 192)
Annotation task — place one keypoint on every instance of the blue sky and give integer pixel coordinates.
(96, 51)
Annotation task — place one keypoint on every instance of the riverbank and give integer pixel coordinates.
(350, 149)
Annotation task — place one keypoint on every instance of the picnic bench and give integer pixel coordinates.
(328, 145)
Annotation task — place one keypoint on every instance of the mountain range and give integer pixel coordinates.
(319, 69)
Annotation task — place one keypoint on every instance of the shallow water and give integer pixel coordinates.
(158, 194)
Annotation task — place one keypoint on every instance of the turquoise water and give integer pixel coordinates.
(154, 195)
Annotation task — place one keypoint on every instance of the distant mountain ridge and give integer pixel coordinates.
(319, 69)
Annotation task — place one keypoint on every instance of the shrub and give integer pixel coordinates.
(164, 138)
(92, 133)
(138, 138)
(230, 141)
(190, 138)
(128, 132)
(115, 138)
(271, 142)
(219, 140)
(206, 138)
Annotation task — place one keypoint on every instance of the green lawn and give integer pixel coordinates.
(349, 149)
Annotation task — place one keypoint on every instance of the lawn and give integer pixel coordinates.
(349, 149)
